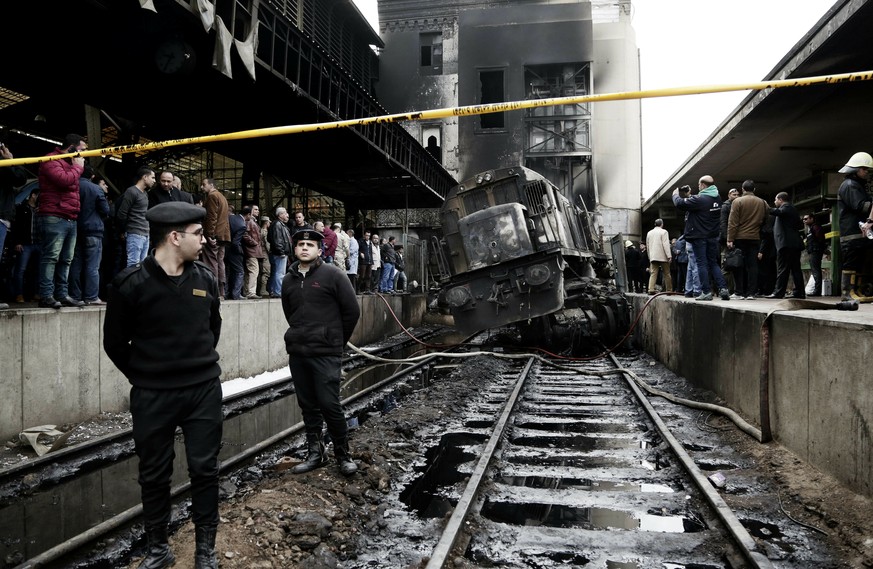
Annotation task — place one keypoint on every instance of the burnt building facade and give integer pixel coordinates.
(441, 54)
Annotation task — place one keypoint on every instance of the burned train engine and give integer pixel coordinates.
(516, 250)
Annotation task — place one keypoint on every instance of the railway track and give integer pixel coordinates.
(576, 469)
(36, 484)
(535, 465)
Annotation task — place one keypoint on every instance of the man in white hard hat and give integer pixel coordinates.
(855, 219)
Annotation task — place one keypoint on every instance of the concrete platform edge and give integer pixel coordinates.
(821, 404)
(55, 370)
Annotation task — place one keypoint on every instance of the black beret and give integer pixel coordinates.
(175, 213)
(306, 235)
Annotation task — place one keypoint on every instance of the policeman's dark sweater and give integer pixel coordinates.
(144, 299)
(321, 309)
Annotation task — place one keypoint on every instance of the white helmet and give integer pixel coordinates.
(858, 160)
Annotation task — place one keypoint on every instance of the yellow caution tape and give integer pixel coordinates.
(456, 111)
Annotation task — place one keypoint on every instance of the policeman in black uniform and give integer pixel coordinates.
(322, 311)
(161, 328)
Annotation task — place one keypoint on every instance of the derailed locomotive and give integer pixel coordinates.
(516, 250)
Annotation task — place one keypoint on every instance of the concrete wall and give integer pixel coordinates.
(821, 405)
(55, 370)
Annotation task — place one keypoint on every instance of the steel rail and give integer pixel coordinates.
(736, 529)
(454, 525)
(84, 447)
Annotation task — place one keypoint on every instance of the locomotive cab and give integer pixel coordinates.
(516, 250)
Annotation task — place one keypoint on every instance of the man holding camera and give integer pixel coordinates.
(703, 214)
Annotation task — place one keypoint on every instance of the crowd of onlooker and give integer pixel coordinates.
(67, 239)
(372, 264)
(739, 248)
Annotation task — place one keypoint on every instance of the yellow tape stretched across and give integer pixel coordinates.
(457, 111)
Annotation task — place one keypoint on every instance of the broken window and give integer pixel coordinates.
(431, 48)
(491, 91)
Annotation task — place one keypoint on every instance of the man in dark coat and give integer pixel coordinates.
(631, 263)
(365, 269)
(322, 311)
(855, 208)
(84, 281)
(234, 267)
(162, 325)
(816, 243)
(789, 244)
(165, 191)
(10, 178)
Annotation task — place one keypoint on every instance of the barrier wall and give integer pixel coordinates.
(54, 370)
(821, 403)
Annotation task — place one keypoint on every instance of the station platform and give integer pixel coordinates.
(799, 373)
(54, 369)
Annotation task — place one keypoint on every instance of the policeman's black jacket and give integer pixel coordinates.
(321, 309)
(854, 205)
(161, 332)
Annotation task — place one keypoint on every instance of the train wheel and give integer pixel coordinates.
(609, 332)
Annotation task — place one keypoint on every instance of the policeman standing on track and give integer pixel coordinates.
(161, 329)
(322, 311)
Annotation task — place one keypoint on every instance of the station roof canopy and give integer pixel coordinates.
(103, 54)
(787, 137)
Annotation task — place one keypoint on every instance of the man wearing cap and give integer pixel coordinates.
(322, 310)
(161, 329)
(855, 209)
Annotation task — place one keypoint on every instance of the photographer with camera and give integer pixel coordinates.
(703, 214)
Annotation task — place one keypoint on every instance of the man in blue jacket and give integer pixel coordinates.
(84, 282)
(322, 311)
(702, 220)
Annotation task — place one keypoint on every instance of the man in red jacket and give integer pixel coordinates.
(57, 214)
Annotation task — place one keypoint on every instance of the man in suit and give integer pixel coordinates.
(165, 191)
(789, 244)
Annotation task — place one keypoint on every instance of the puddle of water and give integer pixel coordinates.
(424, 493)
(711, 466)
(583, 484)
(762, 530)
(557, 515)
(563, 558)
(577, 461)
(695, 447)
(479, 424)
(580, 427)
(579, 442)
(691, 566)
